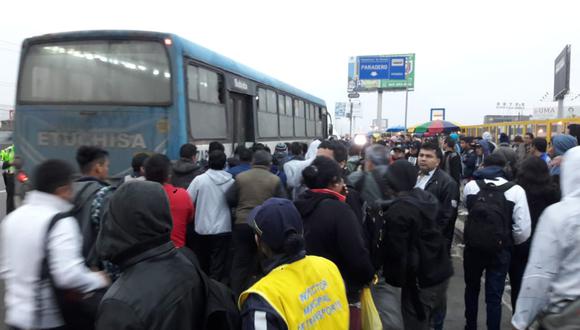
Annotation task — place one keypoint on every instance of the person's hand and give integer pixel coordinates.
(105, 277)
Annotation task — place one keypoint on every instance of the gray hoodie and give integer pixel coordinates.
(208, 193)
(552, 277)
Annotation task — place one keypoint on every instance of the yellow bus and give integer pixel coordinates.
(540, 128)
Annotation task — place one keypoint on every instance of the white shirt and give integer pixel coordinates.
(522, 223)
(423, 179)
(22, 250)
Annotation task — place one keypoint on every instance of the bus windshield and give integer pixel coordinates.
(130, 72)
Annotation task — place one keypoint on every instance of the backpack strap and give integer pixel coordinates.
(45, 267)
(96, 221)
(503, 188)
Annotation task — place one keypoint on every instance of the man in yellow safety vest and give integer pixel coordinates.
(299, 291)
(7, 158)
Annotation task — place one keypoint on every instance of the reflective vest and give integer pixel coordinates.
(7, 156)
(307, 294)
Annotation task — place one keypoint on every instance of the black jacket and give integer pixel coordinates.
(184, 171)
(451, 164)
(469, 160)
(414, 249)
(446, 190)
(332, 231)
(159, 288)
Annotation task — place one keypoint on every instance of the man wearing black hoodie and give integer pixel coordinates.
(159, 287)
(416, 256)
(186, 169)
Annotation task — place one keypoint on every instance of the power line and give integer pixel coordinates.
(9, 42)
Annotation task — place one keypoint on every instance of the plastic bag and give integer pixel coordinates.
(369, 314)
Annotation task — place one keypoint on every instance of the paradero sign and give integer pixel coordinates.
(381, 72)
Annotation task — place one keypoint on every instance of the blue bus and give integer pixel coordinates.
(134, 91)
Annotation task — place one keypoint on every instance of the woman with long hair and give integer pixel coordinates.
(541, 192)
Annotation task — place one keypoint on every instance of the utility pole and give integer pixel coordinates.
(561, 107)
(406, 104)
(350, 116)
(380, 110)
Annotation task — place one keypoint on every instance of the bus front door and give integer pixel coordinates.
(243, 128)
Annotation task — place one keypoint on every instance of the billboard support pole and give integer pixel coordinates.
(561, 107)
(406, 104)
(380, 110)
(350, 116)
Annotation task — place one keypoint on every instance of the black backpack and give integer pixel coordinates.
(89, 207)
(374, 221)
(221, 311)
(489, 224)
(374, 228)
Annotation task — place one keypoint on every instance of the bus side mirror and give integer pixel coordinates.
(330, 129)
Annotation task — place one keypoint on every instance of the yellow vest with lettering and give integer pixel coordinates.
(307, 294)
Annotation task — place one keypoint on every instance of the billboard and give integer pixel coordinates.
(339, 110)
(562, 74)
(547, 111)
(437, 114)
(381, 72)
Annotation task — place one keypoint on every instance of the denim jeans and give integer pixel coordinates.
(496, 267)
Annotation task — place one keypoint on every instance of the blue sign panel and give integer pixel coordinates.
(381, 68)
(397, 68)
(373, 68)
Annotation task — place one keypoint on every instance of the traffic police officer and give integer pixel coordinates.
(299, 291)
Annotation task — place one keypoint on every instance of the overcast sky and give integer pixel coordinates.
(469, 55)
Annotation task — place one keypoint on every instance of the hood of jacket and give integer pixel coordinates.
(486, 136)
(309, 201)
(570, 174)
(219, 177)
(136, 220)
(401, 175)
(312, 150)
(563, 143)
(185, 166)
(490, 173)
(425, 202)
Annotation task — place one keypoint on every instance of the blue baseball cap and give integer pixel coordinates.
(273, 220)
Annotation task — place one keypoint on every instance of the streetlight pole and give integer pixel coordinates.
(380, 109)
(350, 116)
(406, 104)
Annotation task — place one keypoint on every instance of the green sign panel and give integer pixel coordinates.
(384, 72)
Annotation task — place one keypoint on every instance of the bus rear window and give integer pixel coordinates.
(96, 72)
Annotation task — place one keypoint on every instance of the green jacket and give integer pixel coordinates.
(252, 188)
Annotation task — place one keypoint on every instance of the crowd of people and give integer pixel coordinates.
(294, 238)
